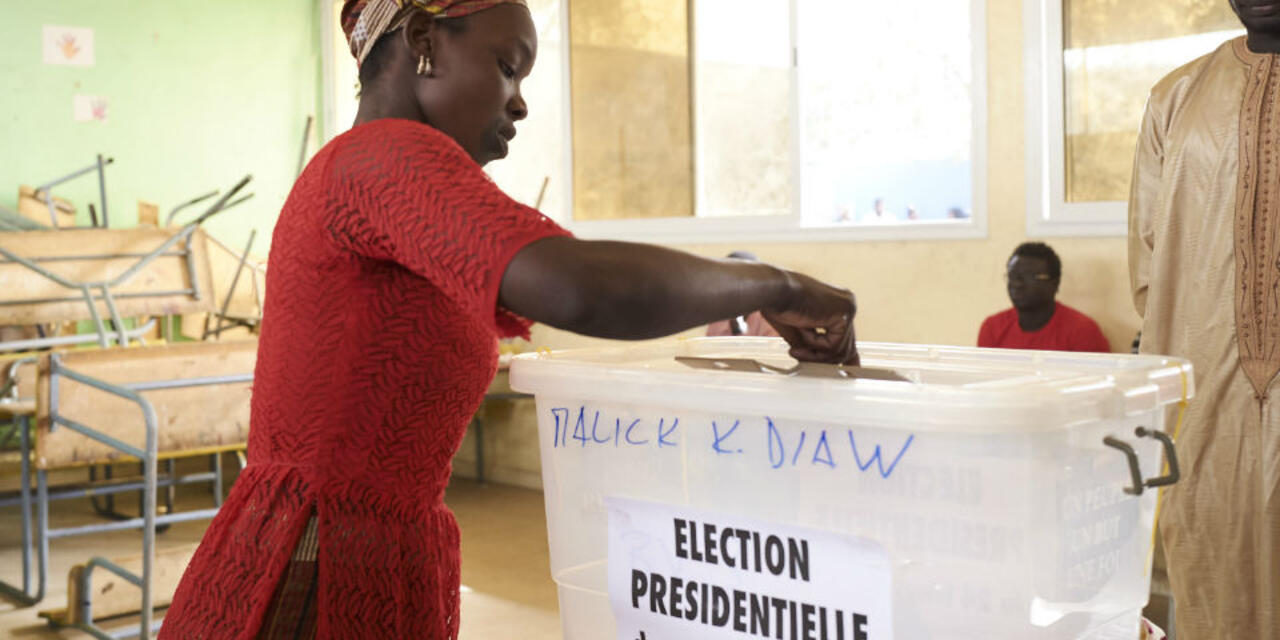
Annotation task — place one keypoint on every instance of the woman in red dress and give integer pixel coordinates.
(396, 265)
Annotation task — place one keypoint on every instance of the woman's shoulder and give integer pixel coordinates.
(377, 150)
(393, 134)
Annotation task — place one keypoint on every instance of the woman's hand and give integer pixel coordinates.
(817, 321)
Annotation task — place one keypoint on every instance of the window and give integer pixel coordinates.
(1095, 62)
(744, 112)
(632, 127)
(888, 109)
(755, 120)
(342, 79)
(804, 120)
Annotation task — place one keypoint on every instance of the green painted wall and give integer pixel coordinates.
(200, 94)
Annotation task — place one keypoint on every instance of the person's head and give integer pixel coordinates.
(456, 65)
(1258, 16)
(1033, 273)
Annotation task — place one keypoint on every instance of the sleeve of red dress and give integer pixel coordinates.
(413, 196)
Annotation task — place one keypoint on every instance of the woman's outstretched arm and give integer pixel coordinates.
(625, 290)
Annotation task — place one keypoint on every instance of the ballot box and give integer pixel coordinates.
(713, 488)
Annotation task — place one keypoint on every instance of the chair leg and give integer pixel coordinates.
(170, 469)
(25, 450)
(215, 462)
(107, 508)
(42, 531)
(25, 596)
(479, 422)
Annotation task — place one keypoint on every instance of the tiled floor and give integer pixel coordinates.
(507, 591)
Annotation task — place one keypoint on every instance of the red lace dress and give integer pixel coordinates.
(379, 341)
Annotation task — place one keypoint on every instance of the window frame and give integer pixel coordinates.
(738, 229)
(792, 217)
(788, 228)
(1048, 212)
(330, 58)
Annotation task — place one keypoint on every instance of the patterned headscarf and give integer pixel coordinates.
(364, 21)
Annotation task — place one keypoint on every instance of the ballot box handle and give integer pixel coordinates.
(1135, 472)
(1170, 456)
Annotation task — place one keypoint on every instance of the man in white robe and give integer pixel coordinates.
(1204, 261)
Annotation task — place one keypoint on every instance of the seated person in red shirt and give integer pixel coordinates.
(1037, 320)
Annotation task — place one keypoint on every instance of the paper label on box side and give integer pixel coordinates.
(678, 572)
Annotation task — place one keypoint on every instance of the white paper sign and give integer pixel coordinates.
(89, 108)
(678, 572)
(68, 45)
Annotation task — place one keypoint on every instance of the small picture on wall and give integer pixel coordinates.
(89, 108)
(68, 45)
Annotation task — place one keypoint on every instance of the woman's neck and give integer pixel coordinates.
(379, 102)
(370, 110)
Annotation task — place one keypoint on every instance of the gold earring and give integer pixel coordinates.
(424, 66)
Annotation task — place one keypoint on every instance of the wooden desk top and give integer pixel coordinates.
(23, 407)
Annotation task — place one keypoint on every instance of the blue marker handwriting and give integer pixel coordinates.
(587, 428)
(821, 452)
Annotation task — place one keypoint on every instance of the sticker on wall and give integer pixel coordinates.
(68, 45)
(89, 108)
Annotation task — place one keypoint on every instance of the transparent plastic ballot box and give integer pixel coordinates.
(713, 487)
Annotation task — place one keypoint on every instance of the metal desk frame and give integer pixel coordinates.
(86, 290)
(148, 455)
